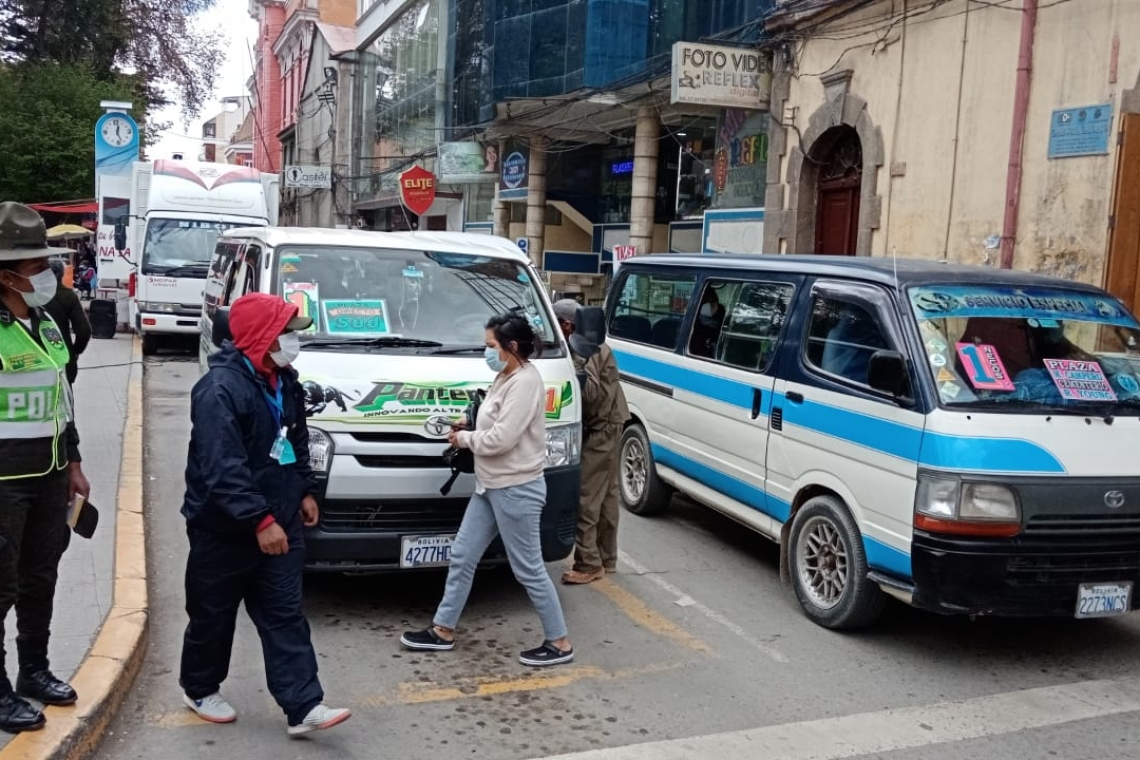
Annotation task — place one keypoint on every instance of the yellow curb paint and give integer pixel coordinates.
(107, 672)
(414, 693)
(646, 617)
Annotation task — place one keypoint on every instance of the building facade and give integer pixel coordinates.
(972, 132)
(265, 84)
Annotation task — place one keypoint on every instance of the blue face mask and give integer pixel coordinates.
(491, 356)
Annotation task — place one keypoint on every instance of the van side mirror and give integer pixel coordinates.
(886, 372)
(120, 236)
(221, 330)
(589, 333)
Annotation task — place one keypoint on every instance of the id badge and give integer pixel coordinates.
(282, 451)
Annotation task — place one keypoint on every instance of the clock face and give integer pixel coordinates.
(117, 132)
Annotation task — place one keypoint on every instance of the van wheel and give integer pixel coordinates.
(149, 344)
(641, 491)
(829, 566)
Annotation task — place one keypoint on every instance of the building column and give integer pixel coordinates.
(502, 209)
(536, 201)
(644, 201)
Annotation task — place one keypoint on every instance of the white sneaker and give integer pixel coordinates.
(319, 718)
(213, 708)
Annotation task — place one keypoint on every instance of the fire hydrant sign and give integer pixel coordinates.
(417, 190)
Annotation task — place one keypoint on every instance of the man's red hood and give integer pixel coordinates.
(256, 320)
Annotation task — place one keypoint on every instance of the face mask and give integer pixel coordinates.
(290, 349)
(494, 361)
(706, 310)
(43, 289)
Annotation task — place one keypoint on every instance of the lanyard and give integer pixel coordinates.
(276, 403)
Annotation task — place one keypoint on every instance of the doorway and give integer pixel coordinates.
(1123, 267)
(838, 190)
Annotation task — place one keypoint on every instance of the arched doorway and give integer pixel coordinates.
(838, 188)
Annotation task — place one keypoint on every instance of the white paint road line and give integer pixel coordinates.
(889, 730)
(711, 614)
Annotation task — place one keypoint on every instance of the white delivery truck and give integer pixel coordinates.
(178, 209)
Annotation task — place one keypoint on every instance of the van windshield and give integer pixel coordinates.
(182, 244)
(420, 299)
(1029, 350)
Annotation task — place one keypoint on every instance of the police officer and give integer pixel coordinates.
(39, 463)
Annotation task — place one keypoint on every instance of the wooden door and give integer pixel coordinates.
(837, 201)
(1123, 267)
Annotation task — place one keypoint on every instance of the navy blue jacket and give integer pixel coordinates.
(232, 484)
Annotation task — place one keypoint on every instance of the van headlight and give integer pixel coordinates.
(563, 445)
(153, 306)
(945, 504)
(320, 450)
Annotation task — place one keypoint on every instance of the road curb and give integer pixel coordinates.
(109, 669)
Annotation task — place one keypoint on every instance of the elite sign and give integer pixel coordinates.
(711, 75)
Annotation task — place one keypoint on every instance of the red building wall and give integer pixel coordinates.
(267, 112)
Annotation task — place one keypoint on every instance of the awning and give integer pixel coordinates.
(67, 207)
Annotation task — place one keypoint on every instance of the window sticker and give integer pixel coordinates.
(950, 390)
(945, 376)
(1080, 380)
(305, 296)
(983, 367)
(1127, 382)
(412, 273)
(356, 318)
(964, 301)
(937, 360)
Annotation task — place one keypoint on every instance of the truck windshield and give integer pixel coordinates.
(173, 244)
(434, 302)
(1029, 350)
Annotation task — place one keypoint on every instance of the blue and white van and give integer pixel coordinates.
(962, 438)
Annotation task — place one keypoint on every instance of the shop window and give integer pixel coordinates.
(651, 308)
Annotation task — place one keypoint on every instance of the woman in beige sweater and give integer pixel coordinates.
(509, 444)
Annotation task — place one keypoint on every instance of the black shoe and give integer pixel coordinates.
(426, 641)
(17, 715)
(545, 656)
(45, 687)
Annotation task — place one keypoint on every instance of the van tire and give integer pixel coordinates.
(642, 492)
(824, 532)
(149, 344)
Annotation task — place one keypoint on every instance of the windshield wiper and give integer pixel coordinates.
(460, 350)
(384, 342)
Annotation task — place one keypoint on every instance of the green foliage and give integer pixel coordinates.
(47, 129)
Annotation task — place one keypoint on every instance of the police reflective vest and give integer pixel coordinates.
(35, 398)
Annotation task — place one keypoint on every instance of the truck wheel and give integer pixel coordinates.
(642, 492)
(149, 344)
(829, 566)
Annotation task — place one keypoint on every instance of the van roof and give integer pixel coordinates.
(877, 269)
(449, 242)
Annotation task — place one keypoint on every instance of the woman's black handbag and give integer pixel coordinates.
(462, 460)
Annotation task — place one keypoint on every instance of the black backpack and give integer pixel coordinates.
(462, 460)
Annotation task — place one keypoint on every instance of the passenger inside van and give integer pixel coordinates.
(708, 325)
(854, 336)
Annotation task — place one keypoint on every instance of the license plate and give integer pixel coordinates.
(425, 551)
(1097, 600)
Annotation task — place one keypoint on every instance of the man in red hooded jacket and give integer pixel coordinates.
(248, 495)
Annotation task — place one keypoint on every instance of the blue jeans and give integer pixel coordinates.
(513, 512)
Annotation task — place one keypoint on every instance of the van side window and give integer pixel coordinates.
(842, 337)
(651, 308)
(746, 333)
(220, 271)
(245, 274)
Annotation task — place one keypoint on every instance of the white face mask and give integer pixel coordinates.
(290, 344)
(706, 310)
(43, 289)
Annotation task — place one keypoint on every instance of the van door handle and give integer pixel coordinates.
(756, 398)
(795, 398)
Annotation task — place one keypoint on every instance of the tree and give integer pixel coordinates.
(153, 39)
(47, 129)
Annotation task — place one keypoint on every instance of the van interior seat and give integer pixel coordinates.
(664, 333)
(1008, 336)
(632, 328)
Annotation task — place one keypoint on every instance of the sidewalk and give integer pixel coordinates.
(83, 595)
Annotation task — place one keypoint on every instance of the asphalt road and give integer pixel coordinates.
(693, 650)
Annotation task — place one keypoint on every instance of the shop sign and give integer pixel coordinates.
(720, 170)
(728, 77)
(514, 174)
(463, 163)
(741, 166)
(315, 177)
(417, 190)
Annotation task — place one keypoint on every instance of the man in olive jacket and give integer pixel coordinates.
(604, 415)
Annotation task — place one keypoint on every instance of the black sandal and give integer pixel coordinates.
(426, 641)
